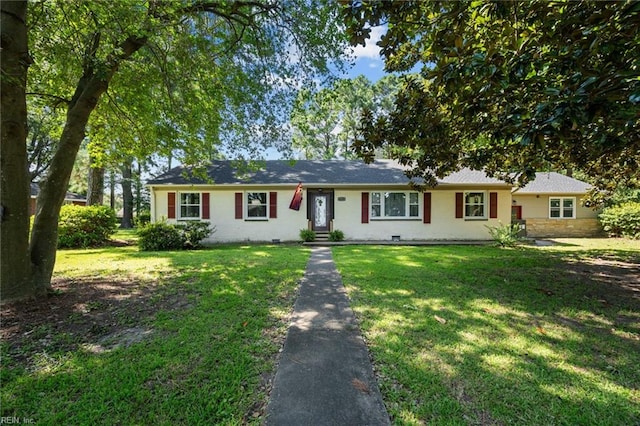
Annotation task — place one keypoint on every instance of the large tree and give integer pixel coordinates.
(509, 87)
(190, 76)
(325, 122)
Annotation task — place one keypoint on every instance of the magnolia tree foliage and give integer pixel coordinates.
(196, 78)
(510, 87)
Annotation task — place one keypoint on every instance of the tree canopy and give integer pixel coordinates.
(325, 122)
(508, 87)
(197, 78)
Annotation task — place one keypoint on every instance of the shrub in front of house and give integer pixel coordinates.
(622, 220)
(80, 226)
(505, 235)
(159, 236)
(307, 235)
(193, 233)
(142, 219)
(163, 236)
(336, 235)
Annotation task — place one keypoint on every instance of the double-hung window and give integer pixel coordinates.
(562, 208)
(190, 205)
(394, 205)
(256, 205)
(475, 205)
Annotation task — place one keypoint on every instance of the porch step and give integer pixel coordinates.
(322, 236)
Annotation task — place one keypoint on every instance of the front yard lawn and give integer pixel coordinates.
(458, 334)
(151, 338)
(481, 335)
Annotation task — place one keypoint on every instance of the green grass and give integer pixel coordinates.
(203, 363)
(128, 235)
(482, 335)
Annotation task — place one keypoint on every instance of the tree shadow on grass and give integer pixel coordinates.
(195, 344)
(516, 336)
(95, 312)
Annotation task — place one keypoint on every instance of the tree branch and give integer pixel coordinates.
(59, 99)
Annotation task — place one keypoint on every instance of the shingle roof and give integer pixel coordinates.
(69, 196)
(310, 172)
(552, 182)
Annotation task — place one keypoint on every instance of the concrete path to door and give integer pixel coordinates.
(324, 376)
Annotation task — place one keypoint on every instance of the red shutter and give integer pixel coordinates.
(493, 205)
(238, 205)
(426, 213)
(365, 207)
(273, 205)
(205, 205)
(171, 205)
(459, 205)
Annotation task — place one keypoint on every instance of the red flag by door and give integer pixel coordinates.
(296, 201)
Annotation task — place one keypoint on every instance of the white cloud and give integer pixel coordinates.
(370, 49)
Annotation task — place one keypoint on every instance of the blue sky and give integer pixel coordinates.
(368, 60)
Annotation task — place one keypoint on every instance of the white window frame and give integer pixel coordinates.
(180, 205)
(483, 203)
(383, 195)
(561, 208)
(248, 203)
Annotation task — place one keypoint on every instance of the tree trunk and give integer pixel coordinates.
(95, 187)
(27, 265)
(14, 182)
(44, 236)
(139, 188)
(127, 196)
(112, 190)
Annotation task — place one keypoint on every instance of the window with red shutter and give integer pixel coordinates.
(365, 207)
(493, 205)
(426, 213)
(205, 206)
(273, 205)
(239, 205)
(171, 205)
(459, 205)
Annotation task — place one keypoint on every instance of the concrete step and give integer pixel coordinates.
(322, 236)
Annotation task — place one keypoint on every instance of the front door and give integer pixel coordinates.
(320, 212)
(516, 213)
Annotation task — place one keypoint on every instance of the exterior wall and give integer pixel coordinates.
(443, 226)
(286, 227)
(537, 206)
(347, 216)
(535, 211)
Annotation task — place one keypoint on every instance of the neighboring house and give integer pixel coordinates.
(551, 206)
(365, 201)
(69, 198)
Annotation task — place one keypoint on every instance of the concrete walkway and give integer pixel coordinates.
(325, 375)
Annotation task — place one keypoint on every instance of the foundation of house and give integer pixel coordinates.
(537, 228)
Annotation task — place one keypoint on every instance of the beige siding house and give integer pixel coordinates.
(367, 202)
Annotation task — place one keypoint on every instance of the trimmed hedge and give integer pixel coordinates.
(622, 220)
(163, 236)
(80, 226)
